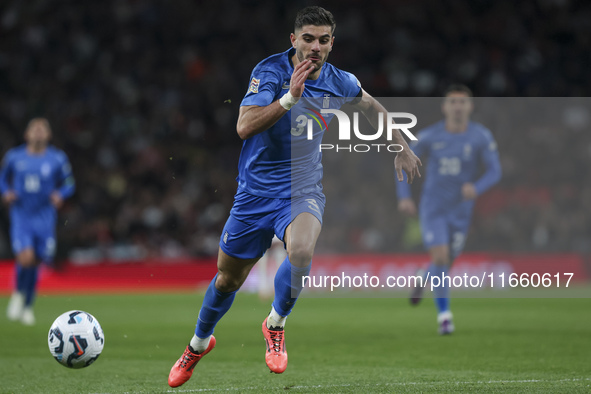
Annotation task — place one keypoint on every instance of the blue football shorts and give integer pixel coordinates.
(449, 228)
(37, 235)
(254, 221)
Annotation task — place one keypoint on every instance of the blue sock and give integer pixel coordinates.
(20, 278)
(29, 279)
(288, 286)
(440, 293)
(215, 305)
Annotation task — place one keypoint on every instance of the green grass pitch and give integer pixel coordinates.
(346, 345)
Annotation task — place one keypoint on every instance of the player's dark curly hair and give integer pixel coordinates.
(316, 16)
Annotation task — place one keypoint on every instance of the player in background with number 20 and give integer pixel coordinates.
(456, 148)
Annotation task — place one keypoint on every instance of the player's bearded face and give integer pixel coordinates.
(313, 43)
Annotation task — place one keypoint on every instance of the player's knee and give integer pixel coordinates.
(300, 254)
(26, 258)
(440, 259)
(440, 255)
(226, 282)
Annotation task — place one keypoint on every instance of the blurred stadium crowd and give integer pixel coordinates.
(143, 95)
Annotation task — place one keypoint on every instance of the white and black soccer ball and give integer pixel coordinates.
(76, 339)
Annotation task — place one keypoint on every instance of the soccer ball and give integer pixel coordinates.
(76, 339)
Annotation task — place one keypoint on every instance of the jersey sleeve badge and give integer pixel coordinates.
(254, 85)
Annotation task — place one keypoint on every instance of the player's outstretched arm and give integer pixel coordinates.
(254, 119)
(406, 159)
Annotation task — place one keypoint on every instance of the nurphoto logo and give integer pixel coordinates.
(389, 125)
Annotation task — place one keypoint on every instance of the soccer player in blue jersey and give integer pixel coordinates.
(456, 148)
(35, 179)
(279, 183)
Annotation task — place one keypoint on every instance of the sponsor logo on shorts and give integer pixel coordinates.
(285, 85)
(225, 238)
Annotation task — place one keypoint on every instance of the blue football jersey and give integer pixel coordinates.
(33, 178)
(453, 159)
(281, 161)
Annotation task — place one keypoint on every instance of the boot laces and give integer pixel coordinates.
(276, 338)
(186, 359)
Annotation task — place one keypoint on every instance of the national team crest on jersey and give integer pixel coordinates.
(45, 170)
(467, 151)
(326, 101)
(254, 85)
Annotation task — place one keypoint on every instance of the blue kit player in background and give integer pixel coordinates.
(457, 149)
(35, 179)
(279, 189)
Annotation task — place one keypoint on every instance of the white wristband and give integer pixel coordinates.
(288, 101)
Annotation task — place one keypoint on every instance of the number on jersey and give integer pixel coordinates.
(449, 166)
(32, 183)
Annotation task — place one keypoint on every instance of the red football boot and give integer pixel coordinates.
(275, 356)
(183, 369)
